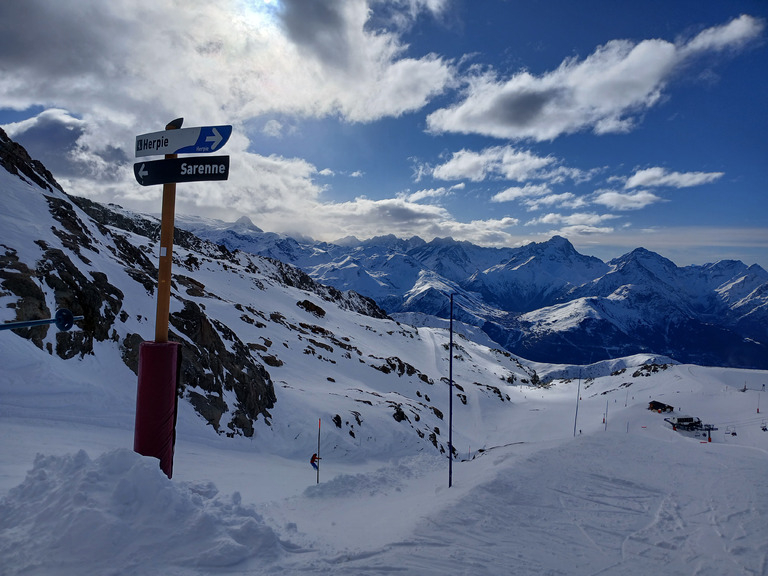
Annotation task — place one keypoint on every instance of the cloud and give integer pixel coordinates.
(54, 131)
(732, 36)
(575, 219)
(321, 29)
(498, 161)
(491, 232)
(129, 65)
(581, 230)
(575, 225)
(273, 128)
(57, 138)
(425, 194)
(656, 176)
(365, 217)
(605, 92)
(626, 201)
(563, 200)
(518, 192)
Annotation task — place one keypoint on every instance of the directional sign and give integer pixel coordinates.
(188, 169)
(200, 140)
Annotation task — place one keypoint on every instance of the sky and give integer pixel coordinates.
(499, 122)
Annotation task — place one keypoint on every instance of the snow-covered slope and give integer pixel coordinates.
(624, 495)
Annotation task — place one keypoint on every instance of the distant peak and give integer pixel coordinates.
(561, 243)
(247, 223)
(643, 257)
(347, 241)
(556, 244)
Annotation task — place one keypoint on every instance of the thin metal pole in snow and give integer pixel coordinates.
(576, 417)
(450, 401)
(318, 450)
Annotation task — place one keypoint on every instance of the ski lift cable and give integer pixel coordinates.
(746, 422)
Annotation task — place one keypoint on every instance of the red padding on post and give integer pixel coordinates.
(155, 431)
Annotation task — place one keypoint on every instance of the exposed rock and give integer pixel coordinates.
(15, 159)
(209, 365)
(98, 301)
(311, 307)
(16, 278)
(129, 350)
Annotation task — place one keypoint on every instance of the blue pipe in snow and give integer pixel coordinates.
(64, 320)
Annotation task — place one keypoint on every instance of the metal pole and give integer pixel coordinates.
(450, 401)
(63, 320)
(578, 393)
(166, 250)
(318, 450)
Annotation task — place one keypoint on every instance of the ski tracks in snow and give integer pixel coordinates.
(565, 510)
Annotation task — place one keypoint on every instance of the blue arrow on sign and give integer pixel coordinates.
(200, 140)
(211, 138)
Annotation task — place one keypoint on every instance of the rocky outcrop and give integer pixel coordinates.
(18, 279)
(15, 159)
(214, 369)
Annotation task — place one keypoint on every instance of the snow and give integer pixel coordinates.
(630, 497)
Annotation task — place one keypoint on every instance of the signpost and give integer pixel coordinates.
(200, 140)
(160, 361)
(190, 169)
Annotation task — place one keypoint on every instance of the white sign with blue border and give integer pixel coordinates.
(200, 140)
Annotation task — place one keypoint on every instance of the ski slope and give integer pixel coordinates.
(627, 496)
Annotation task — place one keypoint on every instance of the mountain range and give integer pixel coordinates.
(543, 301)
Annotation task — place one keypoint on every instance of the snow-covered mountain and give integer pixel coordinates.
(543, 301)
(268, 355)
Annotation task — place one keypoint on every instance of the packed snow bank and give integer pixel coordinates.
(119, 514)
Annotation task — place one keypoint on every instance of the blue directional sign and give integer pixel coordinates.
(187, 169)
(200, 140)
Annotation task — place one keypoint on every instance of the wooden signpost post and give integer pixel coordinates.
(160, 361)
